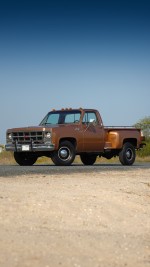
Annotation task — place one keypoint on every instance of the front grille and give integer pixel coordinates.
(27, 137)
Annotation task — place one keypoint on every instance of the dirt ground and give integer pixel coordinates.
(79, 220)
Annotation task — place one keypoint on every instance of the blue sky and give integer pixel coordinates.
(93, 54)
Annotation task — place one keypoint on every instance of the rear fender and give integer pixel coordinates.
(113, 138)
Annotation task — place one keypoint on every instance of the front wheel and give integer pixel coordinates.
(65, 155)
(25, 158)
(88, 159)
(127, 154)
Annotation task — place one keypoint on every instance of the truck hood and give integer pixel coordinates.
(35, 128)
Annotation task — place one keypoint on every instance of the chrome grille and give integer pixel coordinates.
(27, 137)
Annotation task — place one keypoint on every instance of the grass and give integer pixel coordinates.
(6, 158)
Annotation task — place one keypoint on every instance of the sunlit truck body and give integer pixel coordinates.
(65, 133)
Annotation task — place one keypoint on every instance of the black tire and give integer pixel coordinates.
(88, 159)
(65, 155)
(24, 158)
(127, 154)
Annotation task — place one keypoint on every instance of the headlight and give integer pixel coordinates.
(48, 135)
(10, 136)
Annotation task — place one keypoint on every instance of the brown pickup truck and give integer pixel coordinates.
(65, 133)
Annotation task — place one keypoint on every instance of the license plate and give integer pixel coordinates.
(25, 148)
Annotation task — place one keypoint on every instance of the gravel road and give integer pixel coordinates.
(75, 216)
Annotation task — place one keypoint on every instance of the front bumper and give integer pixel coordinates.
(29, 147)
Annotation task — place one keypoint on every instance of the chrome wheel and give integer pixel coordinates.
(64, 153)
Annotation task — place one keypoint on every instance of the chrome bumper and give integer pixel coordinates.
(29, 147)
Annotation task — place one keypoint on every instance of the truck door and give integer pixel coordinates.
(93, 133)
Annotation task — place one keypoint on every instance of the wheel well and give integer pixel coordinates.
(70, 139)
(132, 141)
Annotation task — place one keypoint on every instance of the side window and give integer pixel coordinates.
(89, 117)
(72, 118)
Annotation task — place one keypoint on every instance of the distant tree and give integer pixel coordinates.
(144, 124)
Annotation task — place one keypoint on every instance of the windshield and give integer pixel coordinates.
(61, 117)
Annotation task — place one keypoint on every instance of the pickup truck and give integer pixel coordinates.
(65, 133)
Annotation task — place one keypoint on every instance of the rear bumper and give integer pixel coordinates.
(29, 147)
